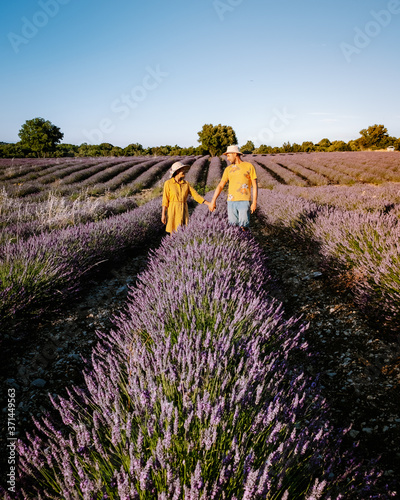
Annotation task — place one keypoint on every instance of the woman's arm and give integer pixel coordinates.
(165, 203)
(164, 215)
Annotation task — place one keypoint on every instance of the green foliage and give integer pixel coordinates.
(308, 146)
(324, 144)
(263, 150)
(339, 146)
(14, 150)
(286, 147)
(248, 147)
(374, 137)
(63, 150)
(215, 139)
(40, 136)
(134, 149)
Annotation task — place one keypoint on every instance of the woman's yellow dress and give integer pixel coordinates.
(175, 197)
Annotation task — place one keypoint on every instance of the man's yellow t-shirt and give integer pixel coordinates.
(239, 177)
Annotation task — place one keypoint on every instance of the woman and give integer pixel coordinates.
(176, 192)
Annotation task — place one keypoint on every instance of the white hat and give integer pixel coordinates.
(178, 166)
(233, 149)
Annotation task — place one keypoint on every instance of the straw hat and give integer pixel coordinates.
(178, 166)
(233, 149)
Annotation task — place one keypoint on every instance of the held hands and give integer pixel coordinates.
(253, 207)
(163, 219)
(211, 206)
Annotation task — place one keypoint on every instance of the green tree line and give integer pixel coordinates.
(40, 138)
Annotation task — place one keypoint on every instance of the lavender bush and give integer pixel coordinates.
(64, 171)
(382, 198)
(152, 175)
(264, 177)
(198, 171)
(187, 160)
(360, 247)
(367, 246)
(282, 173)
(19, 167)
(215, 171)
(20, 220)
(49, 268)
(195, 393)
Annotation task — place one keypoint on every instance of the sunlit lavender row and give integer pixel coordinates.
(35, 177)
(198, 392)
(215, 171)
(319, 169)
(50, 267)
(96, 177)
(198, 170)
(384, 198)
(358, 247)
(20, 220)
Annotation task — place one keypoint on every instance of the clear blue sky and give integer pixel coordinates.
(155, 71)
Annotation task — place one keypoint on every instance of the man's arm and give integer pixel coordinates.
(255, 195)
(217, 192)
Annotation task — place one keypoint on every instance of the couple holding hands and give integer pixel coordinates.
(241, 176)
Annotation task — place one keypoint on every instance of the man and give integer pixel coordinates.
(241, 176)
(175, 195)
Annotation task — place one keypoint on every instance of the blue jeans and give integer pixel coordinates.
(239, 213)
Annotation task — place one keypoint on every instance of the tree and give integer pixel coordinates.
(307, 146)
(374, 137)
(324, 144)
(134, 150)
(248, 147)
(117, 151)
(66, 150)
(339, 146)
(296, 148)
(215, 139)
(263, 150)
(286, 147)
(106, 149)
(40, 135)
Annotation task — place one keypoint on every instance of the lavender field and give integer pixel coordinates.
(200, 389)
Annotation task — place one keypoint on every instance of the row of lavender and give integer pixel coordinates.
(197, 392)
(41, 270)
(99, 175)
(382, 198)
(359, 247)
(96, 177)
(21, 218)
(320, 169)
(72, 203)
